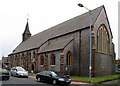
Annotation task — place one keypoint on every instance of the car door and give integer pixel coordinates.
(48, 76)
(12, 71)
(43, 75)
(15, 72)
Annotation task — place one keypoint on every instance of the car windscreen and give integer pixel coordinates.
(54, 74)
(20, 69)
(3, 71)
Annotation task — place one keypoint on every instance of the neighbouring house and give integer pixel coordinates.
(65, 48)
(0, 63)
(5, 62)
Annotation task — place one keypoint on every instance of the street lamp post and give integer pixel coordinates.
(90, 67)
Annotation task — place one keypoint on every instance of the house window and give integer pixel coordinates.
(42, 60)
(69, 58)
(52, 59)
(103, 42)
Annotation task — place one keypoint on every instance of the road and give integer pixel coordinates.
(110, 83)
(14, 81)
(113, 82)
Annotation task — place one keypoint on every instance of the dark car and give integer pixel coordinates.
(53, 77)
(4, 74)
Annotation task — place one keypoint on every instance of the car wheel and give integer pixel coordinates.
(38, 79)
(8, 78)
(54, 82)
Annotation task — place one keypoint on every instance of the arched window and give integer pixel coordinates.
(34, 55)
(18, 59)
(11, 61)
(52, 59)
(41, 60)
(68, 58)
(29, 58)
(22, 59)
(103, 42)
(15, 60)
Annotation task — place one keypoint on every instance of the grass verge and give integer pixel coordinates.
(95, 80)
(32, 74)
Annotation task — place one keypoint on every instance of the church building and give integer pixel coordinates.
(65, 48)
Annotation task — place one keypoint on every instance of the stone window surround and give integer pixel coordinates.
(51, 64)
(103, 28)
(40, 60)
(69, 58)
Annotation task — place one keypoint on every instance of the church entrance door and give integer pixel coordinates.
(32, 69)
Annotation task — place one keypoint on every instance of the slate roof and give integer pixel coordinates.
(56, 45)
(77, 23)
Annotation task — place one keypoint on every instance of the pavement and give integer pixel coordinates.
(73, 82)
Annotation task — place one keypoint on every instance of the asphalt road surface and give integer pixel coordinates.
(113, 82)
(14, 81)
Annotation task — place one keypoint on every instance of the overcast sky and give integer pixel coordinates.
(44, 14)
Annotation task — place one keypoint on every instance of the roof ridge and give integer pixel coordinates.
(69, 20)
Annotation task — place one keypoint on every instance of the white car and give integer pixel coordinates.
(19, 72)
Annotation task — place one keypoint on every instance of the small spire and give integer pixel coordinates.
(27, 17)
(26, 33)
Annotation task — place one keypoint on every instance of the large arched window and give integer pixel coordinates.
(68, 58)
(41, 60)
(11, 60)
(34, 55)
(15, 60)
(103, 42)
(29, 58)
(22, 59)
(52, 59)
(18, 59)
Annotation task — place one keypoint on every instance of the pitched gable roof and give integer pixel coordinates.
(77, 23)
(59, 45)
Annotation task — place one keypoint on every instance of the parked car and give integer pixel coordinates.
(118, 71)
(53, 77)
(19, 72)
(4, 74)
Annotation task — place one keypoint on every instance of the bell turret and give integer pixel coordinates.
(26, 33)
